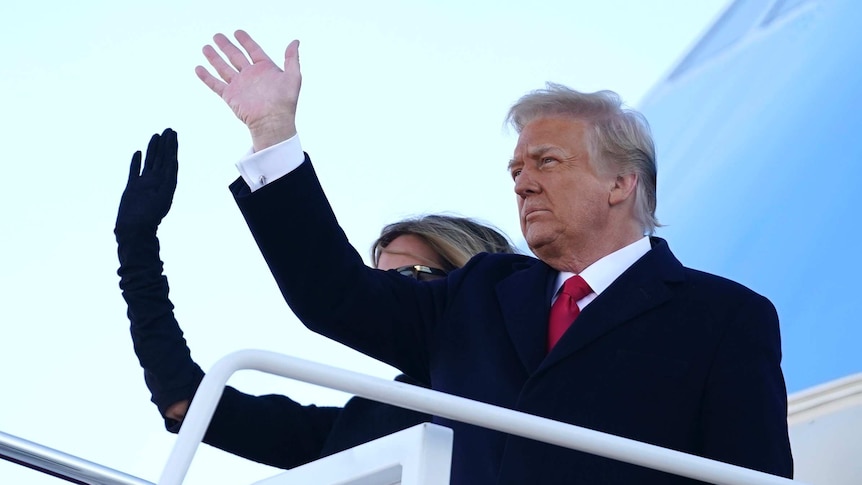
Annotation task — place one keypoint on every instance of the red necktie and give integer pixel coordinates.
(565, 309)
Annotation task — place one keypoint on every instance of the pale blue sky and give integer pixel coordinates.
(401, 108)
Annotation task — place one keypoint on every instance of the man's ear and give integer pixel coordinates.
(623, 188)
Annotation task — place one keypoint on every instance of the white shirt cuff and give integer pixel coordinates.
(271, 163)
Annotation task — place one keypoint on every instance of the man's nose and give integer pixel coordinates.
(525, 184)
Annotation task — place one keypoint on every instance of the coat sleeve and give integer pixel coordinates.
(270, 429)
(745, 413)
(325, 281)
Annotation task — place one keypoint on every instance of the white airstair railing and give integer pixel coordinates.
(61, 465)
(447, 406)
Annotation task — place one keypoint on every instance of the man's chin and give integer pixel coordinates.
(537, 244)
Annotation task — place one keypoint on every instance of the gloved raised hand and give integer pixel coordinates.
(170, 373)
(149, 193)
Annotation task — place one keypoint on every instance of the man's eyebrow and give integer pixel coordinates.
(533, 152)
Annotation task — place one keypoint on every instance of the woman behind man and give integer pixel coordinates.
(271, 429)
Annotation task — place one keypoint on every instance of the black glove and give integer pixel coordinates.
(148, 195)
(170, 373)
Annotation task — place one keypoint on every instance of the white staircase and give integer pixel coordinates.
(826, 432)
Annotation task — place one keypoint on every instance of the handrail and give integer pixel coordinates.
(61, 465)
(447, 406)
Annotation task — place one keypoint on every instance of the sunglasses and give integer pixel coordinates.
(421, 273)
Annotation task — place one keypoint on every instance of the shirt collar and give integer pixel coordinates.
(603, 272)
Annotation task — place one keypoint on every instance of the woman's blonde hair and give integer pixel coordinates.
(454, 239)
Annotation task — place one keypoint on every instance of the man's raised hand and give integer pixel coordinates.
(260, 93)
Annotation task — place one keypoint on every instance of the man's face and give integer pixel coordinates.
(563, 198)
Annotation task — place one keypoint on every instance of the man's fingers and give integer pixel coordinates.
(216, 85)
(225, 71)
(135, 166)
(254, 50)
(291, 57)
(234, 55)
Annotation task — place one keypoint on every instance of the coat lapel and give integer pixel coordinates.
(525, 302)
(640, 288)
